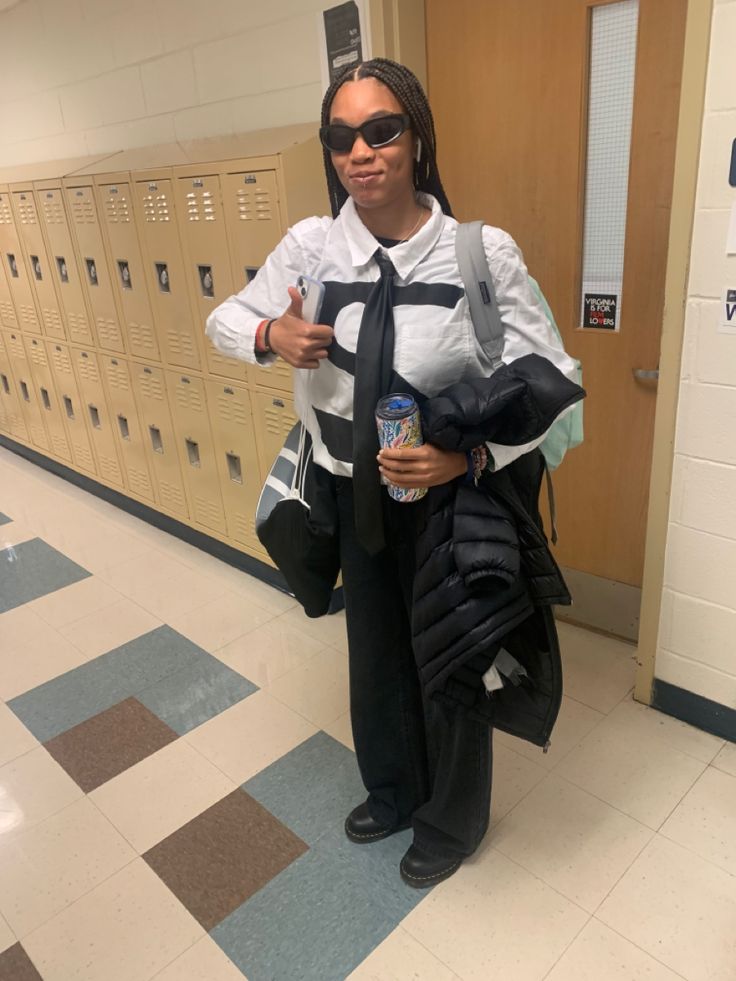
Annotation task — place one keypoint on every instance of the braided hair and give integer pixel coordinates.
(408, 90)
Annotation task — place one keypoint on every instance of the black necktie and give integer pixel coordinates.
(374, 357)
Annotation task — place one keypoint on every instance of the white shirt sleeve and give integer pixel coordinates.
(527, 329)
(232, 325)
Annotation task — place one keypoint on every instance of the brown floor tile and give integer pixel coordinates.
(223, 856)
(99, 749)
(15, 965)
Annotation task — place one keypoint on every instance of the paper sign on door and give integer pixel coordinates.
(727, 323)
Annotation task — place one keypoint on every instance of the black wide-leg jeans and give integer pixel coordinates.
(422, 761)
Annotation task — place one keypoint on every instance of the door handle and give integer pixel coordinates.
(645, 374)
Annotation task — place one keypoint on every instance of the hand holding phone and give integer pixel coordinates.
(296, 336)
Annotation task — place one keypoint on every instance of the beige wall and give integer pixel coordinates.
(696, 648)
(88, 76)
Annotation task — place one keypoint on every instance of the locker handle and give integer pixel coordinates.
(124, 428)
(46, 399)
(24, 392)
(193, 452)
(69, 408)
(95, 416)
(234, 469)
(156, 441)
(6, 386)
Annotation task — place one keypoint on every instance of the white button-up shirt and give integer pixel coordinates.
(435, 342)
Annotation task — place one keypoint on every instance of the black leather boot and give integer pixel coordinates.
(361, 828)
(420, 870)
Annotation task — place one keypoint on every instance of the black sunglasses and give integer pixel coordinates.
(339, 138)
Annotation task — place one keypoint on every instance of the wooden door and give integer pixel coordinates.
(508, 83)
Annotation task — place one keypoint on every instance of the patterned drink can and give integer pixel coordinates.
(399, 424)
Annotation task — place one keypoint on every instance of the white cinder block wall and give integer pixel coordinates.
(91, 76)
(697, 636)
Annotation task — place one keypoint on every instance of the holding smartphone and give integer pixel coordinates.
(312, 293)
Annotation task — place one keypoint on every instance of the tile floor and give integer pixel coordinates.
(176, 763)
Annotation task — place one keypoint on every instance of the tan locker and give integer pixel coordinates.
(47, 397)
(89, 380)
(165, 274)
(8, 317)
(201, 223)
(29, 400)
(149, 385)
(75, 416)
(64, 265)
(253, 220)
(11, 416)
(278, 375)
(93, 264)
(124, 413)
(38, 264)
(15, 268)
(197, 450)
(237, 459)
(126, 266)
(273, 417)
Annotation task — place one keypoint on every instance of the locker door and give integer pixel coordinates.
(60, 364)
(149, 385)
(12, 416)
(202, 226)
(196, 446)
(15, 269)
(116, 209)
(273, 417)
(37, 263)
(165, 274)
(124, 414)
(237, 459)
(95, 274)
(8, 316)
(94, 404)
(64, 266)
(47, 398)
(253, 220)
(29, 404)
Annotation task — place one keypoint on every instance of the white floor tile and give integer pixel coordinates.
(81, 599)
(15, 739)
(679, 908)
(705, 820)
(220, 621)
(317, 690)
(574, 722)
(402, 958)
(726, 759)
(574, 842)
(109, 627)
(599, 954)
(7, 937)
(205, 961)
(598, 671)
(33, 788)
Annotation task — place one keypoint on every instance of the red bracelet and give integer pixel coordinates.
(260, 347)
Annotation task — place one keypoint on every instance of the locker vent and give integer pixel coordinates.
(38, 436)
(61, 361)
(171, 497)
(52, 321)
(201, 206)
(37, 354)
(60, 447)
(207, 512)
(88, 370)
(83, 456)
(156, 207)
(6, 217)
(117, 209)
(117, 376)
(141, 336)
(27, 211)
(53, 212)
(140, 482)
(110, 470)
(230, 411)
(28, 316)
(180, 343)
(108, 333)
(189, 398)
(7, 314)
(77, 325)
(15, 347)
(83, 210)
(254, 204)
(151, 388)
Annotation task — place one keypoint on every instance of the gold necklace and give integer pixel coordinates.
(407, 237)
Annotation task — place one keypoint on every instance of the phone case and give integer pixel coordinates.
(312, 293)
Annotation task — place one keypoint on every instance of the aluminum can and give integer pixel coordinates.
(400, 424)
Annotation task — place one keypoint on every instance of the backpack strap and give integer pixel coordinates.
(473, 265)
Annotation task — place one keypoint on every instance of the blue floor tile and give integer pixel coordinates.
(196, 693)
(312, 789)
(36, 569)
(77, 695)
(4, 519)
(323, 915)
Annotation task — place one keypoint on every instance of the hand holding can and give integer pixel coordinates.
(399, 424)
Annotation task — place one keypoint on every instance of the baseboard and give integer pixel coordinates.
(226, 553)
(694, 709)
(605, 605)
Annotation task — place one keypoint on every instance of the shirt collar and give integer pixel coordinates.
(405, 257)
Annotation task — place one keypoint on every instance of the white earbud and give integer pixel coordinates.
(418, 152)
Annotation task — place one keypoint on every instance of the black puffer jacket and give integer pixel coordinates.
(485, 577)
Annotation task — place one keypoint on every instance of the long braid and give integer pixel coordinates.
(408, 90)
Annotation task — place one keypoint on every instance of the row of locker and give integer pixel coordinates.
(109, 266)
(193, 447)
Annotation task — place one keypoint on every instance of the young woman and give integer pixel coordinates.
(396, 325)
